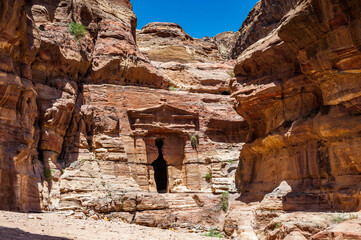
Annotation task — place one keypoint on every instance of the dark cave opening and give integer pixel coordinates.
(160, 169)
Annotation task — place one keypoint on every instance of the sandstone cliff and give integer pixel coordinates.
(192, 64)
(263, 18)
(103, 120)
(81, 114)
(298, 88)
(42, 68)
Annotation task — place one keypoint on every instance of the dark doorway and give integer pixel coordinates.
(160, 169)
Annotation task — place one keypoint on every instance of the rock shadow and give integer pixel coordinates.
(18, 234)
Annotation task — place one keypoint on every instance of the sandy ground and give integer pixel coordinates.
(59, 226)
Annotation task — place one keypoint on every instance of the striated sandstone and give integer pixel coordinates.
(301, 107)
(167, 42)
(265, 16)
(41, 66)
(192, 64)
(98, 124)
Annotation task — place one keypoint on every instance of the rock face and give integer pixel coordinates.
(80, 132)
(161, 129)
(225, 42)
(42, 68)
(167, 42)
(298, 89)
(192, 64)
(264, 18)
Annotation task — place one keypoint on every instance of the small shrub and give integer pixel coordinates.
(62, 171)
(230, 147)
(213, 232)
(230, 161)
(208, 177)
(194, 141)
(339, 218)
(353, 216)
(171, 88)
(225, 198)
(277, 226)
(48, 173)
(77, 30)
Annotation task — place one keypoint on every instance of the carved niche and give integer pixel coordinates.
(163, 117)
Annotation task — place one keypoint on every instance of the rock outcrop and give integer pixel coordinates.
(192, 64)
(161, 129)
(298, 89)
(81, 113)
(167, 42)
(265, 16)
(43, 65)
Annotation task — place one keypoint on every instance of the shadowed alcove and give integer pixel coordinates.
(160, 168)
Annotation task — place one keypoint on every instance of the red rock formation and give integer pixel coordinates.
(265, 16)
(298, 90)
(40, 65)
(81, 117)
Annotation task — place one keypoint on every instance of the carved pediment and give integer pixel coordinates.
(163, 116)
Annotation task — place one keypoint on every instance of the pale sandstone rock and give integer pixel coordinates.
(167, 42)
(346, 230)
(192, 64)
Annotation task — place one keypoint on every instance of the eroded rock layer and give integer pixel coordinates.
(82, 111)
(265, 16)
(166, 133)
(42, 66)
(299, 90)
(198, 65)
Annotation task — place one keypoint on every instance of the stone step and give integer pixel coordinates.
(179, 201)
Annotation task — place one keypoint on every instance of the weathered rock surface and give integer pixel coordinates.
(259, 220)
(41, 67)
(96, 124)
(265, 16)
(167, 42)
(298, 90)
(192, 64)
(118, 127)
(225, 42)
(77, 136)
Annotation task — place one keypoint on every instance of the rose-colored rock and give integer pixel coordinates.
(41, 65)
(301, 106)
(84, 119)
(265, 16)
(346, 230)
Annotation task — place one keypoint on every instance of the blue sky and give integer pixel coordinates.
(198, 18)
